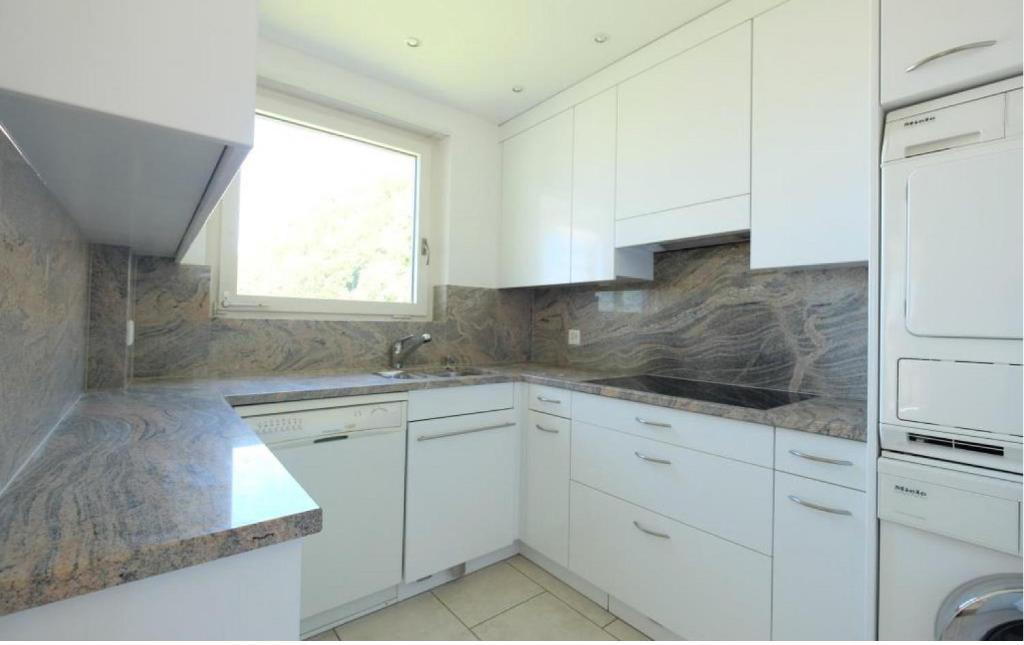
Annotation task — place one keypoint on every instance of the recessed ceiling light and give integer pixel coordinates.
(601, 39)
(412, 41)
(517, 88)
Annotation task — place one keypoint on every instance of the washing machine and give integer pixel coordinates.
(949, 551)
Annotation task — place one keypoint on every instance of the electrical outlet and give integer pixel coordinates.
(574, 337)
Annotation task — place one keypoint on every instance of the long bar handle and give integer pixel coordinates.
(544, 399)
(818, 507)
(542, 428)
(656, 424)
(952, 50)
(657, 534)
(442, 435)
(823, 460)
(653, 460)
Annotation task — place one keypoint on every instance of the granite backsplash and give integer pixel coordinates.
(176, 336)
(707, 316)
(43, 303)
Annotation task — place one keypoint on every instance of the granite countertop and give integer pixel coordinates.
(164, 474)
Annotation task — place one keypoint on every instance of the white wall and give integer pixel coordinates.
(464, 242)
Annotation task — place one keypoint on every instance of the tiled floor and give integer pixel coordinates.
(511, 600)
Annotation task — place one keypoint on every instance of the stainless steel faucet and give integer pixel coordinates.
(402, 347)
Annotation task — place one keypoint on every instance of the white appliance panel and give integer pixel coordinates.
(964, 232)
(972, 396)
(359, 483)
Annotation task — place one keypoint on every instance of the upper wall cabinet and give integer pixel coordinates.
(536, 209)
(812, 156)
(558, 202)
(594, 257)
(935, 47)
(683, 162)
(136, 115)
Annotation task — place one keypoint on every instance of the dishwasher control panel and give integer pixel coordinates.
(293, 425)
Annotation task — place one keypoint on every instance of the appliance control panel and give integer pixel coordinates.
(306, 424)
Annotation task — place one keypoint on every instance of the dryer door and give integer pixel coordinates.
(963, 254)
(986, 609)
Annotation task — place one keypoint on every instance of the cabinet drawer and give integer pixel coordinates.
(830, 459)
(545, 507)
(550, 400)
(697, 585)
(819, 583)
(951, 47)
(461, 490)
(727, 498)
(749, 442)
(453, 401)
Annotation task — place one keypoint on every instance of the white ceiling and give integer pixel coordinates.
(474, 51)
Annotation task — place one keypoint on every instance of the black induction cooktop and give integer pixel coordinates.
(738, 395)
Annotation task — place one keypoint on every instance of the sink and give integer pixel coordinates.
(442, 373)
(454, 372)
(401, 374)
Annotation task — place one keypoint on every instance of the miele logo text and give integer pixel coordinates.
(916, 492)
(924, 119)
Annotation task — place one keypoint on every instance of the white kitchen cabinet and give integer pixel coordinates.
(697, 585)
(935, 47)
(593, 255)
(545, 503)
(536, 205)
(820, 568)
(461, 496)
(684, 143)
(724, 497)
(245, 597)
(828, 459)
(813, 142)
(136, 115)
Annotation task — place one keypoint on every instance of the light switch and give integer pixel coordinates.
(574, 337)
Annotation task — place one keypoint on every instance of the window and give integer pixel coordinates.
(327, 217)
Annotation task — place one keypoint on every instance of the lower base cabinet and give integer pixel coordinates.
(545, 503)
(699, 586)
(461, 490)
(820, 573)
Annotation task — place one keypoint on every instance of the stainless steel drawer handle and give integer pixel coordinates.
(442, 435)
(544, 399)
(818, 507)
(657, 534)
(951, 50)
(656, 424)
(543, 429)
(653, 460)
(823, 460)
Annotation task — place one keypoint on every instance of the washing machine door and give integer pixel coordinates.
(985, 609)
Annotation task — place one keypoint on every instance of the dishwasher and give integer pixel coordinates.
(349, 455)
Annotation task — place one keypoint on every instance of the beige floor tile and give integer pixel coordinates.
(328, 635)
(542, 618)
(625, 632)
(420, 618)
(562, 591)
(486, 593)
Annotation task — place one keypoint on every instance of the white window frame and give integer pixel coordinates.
(321, 117)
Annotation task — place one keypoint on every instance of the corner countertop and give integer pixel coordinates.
(164, 474)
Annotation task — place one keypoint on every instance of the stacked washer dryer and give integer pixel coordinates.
(949, 479)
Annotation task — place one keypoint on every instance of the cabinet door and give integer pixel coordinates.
(812, 135)
(593, 189)
(684, 128)
(461, 485)
(820, 571)
(951, 45)
(536, 211)
(697, 585)
(545, 523)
